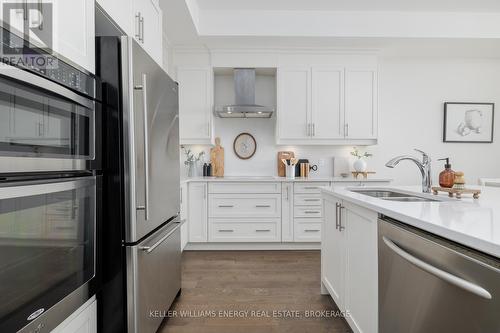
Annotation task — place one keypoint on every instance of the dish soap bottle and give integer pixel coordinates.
(447, 176)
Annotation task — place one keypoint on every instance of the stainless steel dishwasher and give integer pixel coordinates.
(427, 284)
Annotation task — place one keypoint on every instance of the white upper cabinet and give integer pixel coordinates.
(148, 28)
(327, 105)
(121, 12)
(142, 19)
(74, 35)
(361, 103)
(294, 103)
(195, 104)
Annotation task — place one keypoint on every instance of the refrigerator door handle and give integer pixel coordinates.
(144, 89)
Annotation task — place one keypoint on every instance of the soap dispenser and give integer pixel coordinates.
(447, 176)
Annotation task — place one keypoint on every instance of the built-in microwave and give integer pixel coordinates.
(47, 250)
(49, 119)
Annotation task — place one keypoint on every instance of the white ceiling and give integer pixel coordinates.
(181, 30)
(354, 5)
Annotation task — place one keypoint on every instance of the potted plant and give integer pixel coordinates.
(360, 163)
(191, 161)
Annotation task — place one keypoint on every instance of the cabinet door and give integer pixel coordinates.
(333, 252)
(294, 103)
(197, 212)
(151, 29)
(122, 12)
(361, 103)
(74, 35)
(195, 105)
(184, 216)
(327, 102)
(361, 295)
(287, 212)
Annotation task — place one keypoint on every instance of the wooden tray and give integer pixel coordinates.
(456, 192)
(365, 174)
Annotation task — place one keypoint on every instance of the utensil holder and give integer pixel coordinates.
(290, 171)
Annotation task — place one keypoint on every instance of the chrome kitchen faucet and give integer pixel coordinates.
(424, 166)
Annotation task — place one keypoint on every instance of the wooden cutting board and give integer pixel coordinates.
(217, 159)
(281, 167)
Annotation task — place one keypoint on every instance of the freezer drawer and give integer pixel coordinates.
(427, 284)
(153, 277)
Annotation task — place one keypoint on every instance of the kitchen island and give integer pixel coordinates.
(358, 258)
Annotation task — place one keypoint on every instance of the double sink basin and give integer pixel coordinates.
(390, 195)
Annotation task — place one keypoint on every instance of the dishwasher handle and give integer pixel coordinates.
(450, 278)
(151, 248)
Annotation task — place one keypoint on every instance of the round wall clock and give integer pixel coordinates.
(244, 146)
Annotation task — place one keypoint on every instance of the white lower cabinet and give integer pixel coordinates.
(349, 262)
(83, 320)
(197, 212)
(307, 211)
(245, 230)
(184, 215)
(287, 212)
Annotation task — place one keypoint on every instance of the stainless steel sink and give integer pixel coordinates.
(393, 195)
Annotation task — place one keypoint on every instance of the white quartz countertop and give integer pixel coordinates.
(470, 222)
(282, 179)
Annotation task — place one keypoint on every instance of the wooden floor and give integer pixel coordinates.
(258, 281)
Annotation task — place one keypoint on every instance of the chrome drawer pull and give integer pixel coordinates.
(226, 206)
(226, 230)
(263, 230)
(311, 230)
(311, 212)
(263, 206)
(310, 188)
(312, 199)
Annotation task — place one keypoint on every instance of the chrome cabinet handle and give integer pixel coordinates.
(311, 211)
(307, 129)
(151, 248)
(181, 196)
(144, 89)
(340, 217)
(337, 205)
(262, 206)
(226, 230)
(204, 191)
(138, 22)
(346, 130)
(286, 188)
(225, 206)
(312, 199)
(439, 273)
(141, 20)
(311, 230)
(314, 129)
(310, 188)
(263, 230)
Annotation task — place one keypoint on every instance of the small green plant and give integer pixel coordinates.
(190, 156)
(358, 154)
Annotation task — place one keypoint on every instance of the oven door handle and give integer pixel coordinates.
(443, 275)
(31, 188)
(149, 249)
(40, 82)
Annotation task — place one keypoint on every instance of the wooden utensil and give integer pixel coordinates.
(217, 159)
(283, 155)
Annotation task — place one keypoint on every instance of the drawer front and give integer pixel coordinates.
(309, 187)
(240, 187)
(307, 231)
(307, 200)
(361, 183)
(249, 230)
(306, 211)
(244, 205)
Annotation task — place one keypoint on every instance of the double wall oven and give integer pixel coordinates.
(49, 194)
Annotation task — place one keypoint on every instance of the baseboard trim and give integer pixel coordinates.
(251, 246)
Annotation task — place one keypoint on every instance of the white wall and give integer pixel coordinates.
(411, 96)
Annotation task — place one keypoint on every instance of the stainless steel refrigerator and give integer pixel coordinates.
(141, 172)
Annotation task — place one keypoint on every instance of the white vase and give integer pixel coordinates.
(359, 165)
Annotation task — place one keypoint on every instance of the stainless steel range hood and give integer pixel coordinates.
(244, 91)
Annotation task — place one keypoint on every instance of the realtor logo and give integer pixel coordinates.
(28, 32)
